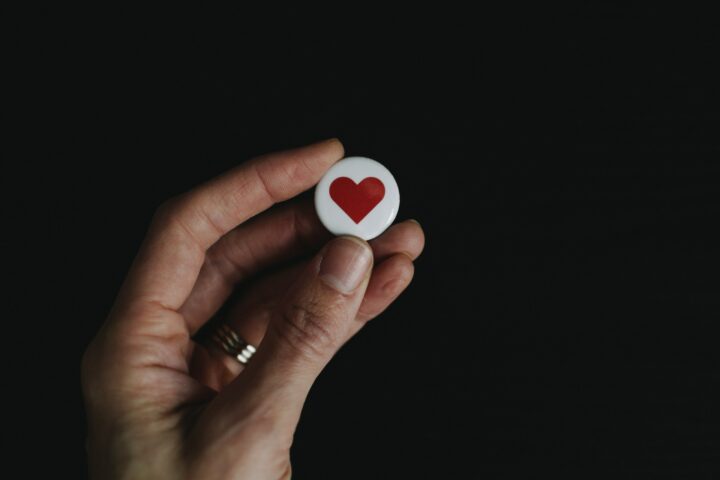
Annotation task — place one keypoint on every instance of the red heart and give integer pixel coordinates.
(357, 199)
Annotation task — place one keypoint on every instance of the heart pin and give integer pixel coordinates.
(357, 196)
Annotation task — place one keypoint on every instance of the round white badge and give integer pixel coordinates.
(357, 196)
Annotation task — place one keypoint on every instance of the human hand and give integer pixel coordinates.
(159, 404)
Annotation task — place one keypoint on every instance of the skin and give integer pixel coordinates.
(160, 404)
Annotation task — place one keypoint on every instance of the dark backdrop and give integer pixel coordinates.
(564, 165)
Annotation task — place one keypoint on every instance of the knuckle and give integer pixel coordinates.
(308, 328)
(266, 173)
(179, 205)
(166, 212)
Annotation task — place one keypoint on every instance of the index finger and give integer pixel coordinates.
(173, 252)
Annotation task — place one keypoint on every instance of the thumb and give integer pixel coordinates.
(309, 326)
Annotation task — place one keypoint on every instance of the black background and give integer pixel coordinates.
(562, 160)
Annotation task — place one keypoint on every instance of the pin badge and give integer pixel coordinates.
(357, 196)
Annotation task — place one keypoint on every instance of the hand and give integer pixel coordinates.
(159, 404)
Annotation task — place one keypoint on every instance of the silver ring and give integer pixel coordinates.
(233, 344)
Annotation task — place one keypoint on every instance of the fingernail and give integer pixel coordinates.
(413, 220)
(345, 264)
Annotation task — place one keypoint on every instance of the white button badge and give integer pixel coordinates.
(357, 196)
